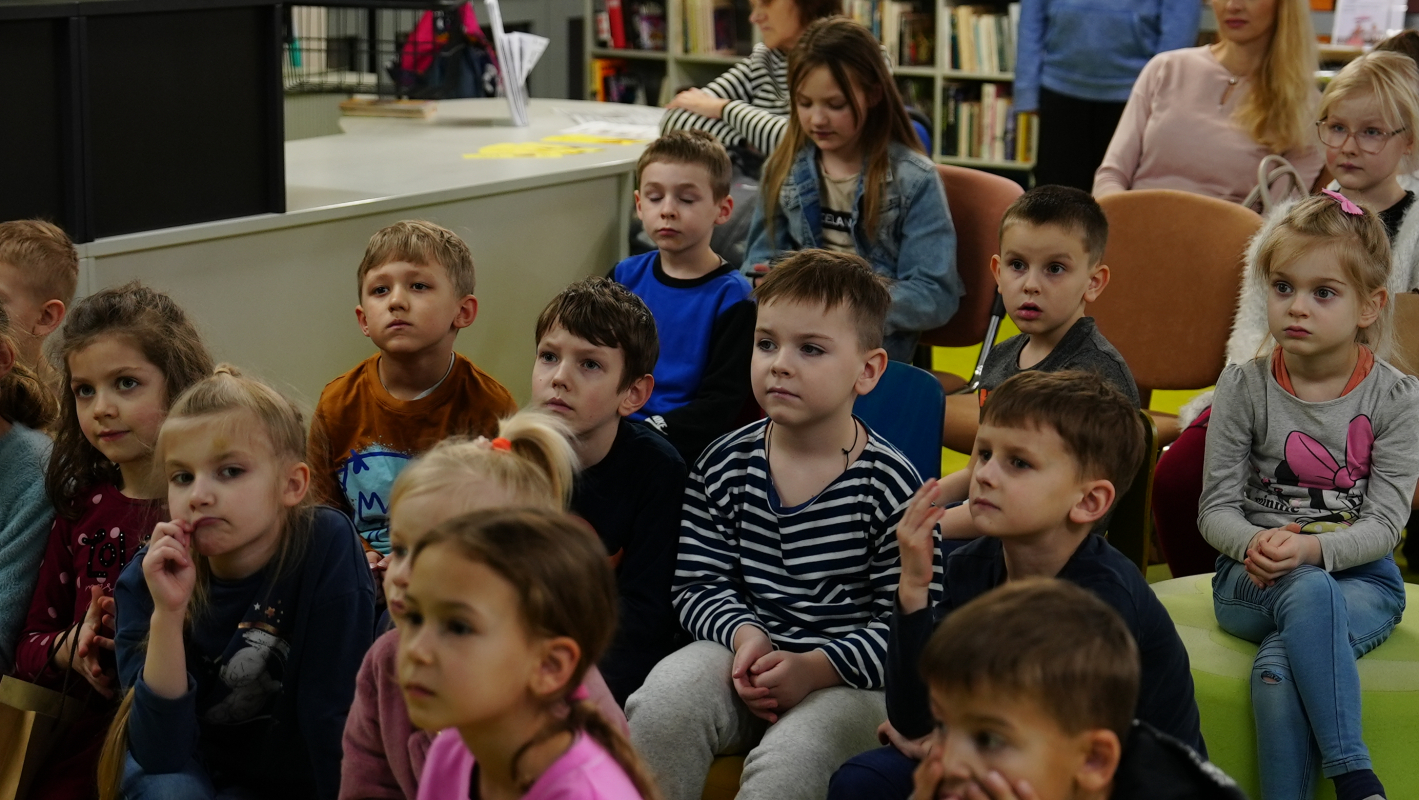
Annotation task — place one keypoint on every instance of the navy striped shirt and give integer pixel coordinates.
(757, 112)
(822, 575)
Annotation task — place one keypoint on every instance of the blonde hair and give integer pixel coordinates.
(24, 398)
(538, 469)
(419, 242)
(1277, 110)
(241, 399)
(1358, 241)
(1392, 79)
(45, 257)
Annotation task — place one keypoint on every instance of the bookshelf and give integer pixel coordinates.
(915, 28)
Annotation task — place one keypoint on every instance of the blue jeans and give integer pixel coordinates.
(1311, 627)
(192, 783)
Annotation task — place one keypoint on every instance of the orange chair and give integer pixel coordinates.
(1406, 335)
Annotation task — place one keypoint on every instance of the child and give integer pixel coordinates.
(242, 626)
(787, 557)
(26, 408)
(850, 176)
(530, 464)
(1033, 687)
(596, 345)
(126, 353)
(1367, 122)
(39, 270)
(701, 304)
(538, 598)
(1311, 467)
(416, 293)
(1055, 450)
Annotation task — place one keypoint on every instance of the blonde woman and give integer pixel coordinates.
(1202, 119)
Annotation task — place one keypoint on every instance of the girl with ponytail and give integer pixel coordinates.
(505, 613)
(530, 464)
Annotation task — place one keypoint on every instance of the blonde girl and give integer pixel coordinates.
(1311, 466)
(531, 463)
(124, 353)
(506, 612)
(241, 627)
(851, 176)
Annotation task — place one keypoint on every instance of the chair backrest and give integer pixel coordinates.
(1175, 261)
(1406, 332)
(977, 201)
(907, 408)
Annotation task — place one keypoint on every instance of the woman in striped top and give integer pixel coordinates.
(748, 104)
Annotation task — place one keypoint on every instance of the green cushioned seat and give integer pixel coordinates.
(1221, 671)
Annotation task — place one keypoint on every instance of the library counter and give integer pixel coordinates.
(275, 293)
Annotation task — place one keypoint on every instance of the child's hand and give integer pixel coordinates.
(1276, 551)
(761, 271)
(917, 546)
(97, 621)
(378, 566)
(994, 786)
(915, 749)
(168, 567)
(750, 645)
(790, 677)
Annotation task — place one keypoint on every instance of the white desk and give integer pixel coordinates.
(276, 293)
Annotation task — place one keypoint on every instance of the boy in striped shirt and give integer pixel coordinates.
(788, 558)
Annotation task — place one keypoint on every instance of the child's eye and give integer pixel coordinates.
(988, 740)
(458, 627)
(1019, 463)
(983, 456)
(1281, 287)
(1055, 269)
(588, 364)
(689, 200)
(412, 618)
(180, 478)
(378, 290)
(1375, 132)
(811, 350)
(398, 550)
(83, 390)
(126, 383)
(765, 345)
(420, 285)
(1324, 293)
(231, 472)
(1018, 266)
(546, 357)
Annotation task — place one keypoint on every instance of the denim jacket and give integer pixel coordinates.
(915, 244)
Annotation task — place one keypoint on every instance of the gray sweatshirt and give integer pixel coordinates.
(1344, 469)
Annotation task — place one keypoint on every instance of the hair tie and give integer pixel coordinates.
(501, 444)
(581, 694)
(1345, 203)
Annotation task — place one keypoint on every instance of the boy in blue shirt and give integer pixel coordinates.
(700, 302)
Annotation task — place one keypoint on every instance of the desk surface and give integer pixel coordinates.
(381, 165)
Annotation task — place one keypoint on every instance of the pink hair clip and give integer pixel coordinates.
(501, 444)
(1346, 204)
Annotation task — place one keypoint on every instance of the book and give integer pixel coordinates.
(617, 20)
(648, 23)
(377, 107)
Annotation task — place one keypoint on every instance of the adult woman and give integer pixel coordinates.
(1202, 119)
(747, 106)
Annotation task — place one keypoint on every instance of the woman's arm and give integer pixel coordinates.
(740, 120)
(1125, 151)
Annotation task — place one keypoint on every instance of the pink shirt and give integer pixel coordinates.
(1178, 133)
(585, 772)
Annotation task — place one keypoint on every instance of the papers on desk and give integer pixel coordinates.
(613, 132)
(617, 121)
(517, 55)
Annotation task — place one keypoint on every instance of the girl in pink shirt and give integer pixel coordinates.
(504, 614)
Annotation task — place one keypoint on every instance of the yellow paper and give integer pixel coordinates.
(528, 150)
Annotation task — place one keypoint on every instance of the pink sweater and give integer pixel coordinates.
(585, 772)
(1176, 133)
(384, 752)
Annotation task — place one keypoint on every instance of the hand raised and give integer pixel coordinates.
(169, 568)
(916, 543)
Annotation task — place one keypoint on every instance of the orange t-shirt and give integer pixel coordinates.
(1363, 365)
(362, 437)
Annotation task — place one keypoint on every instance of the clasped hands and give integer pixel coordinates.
(1275, 552)
(769, 681)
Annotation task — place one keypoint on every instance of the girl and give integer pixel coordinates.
(505, 613)
(530, 464)
(851, 176)
(242, 624)
(1366, 124)
(125, 353)
(1310, 469)
(26, 407)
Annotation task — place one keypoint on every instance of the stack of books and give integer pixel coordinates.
(630, 24)
(980, 38)
(979, 121)
(613, 82)
(906, 31)
(710, 27)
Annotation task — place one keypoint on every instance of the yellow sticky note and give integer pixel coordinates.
(528, 150)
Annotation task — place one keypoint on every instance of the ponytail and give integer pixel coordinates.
(24, 398)
(114, 757)
(586, 717)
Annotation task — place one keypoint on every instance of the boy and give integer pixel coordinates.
(416, 292)
(596, 346)
(787, 558)
(701, 303)
(39, 271)
(1054, 451)
(1049, 671)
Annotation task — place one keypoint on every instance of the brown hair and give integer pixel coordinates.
(1392, 80)
(607, 314)
(161, 331)
(1358, 241)
(239, 401)
(1277, 109)
(854, 58)
(1066, 207)
(23, 396)
(44, 255)
(832, 279)
(1406, 42)
(1099, 425)
(565, 587)
(419, 242)
(1045, 640)
(696, 148)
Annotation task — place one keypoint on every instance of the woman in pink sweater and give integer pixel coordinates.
(1201, 119)
(532, 464)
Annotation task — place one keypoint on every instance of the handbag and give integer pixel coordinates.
(32, 720)
(1272, 169)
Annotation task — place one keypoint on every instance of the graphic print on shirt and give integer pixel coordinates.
(837, 221)
(365, 478)
(252, 669)
(106, 551)
(1311, 479)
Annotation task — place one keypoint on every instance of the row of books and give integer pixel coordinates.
(711, 27)
(907, 30)
(630, 24)
(614, 81)
(979, 121)
(980, 38)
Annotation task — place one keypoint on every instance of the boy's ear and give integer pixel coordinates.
(636, 395)
(51, 315)
(726, 208)
(1098, 279)
(1102, 752)
(467, 311)
(1094, 503)
(7, 359)
(995, 268)
(295, 485)
(364, 323)
(559, 657)
(872, 370)
(1370, 309)
(637, 195)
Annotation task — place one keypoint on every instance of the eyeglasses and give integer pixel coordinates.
(1370, 140)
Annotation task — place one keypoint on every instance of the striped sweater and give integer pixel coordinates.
(757, 112)
(822, 575)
